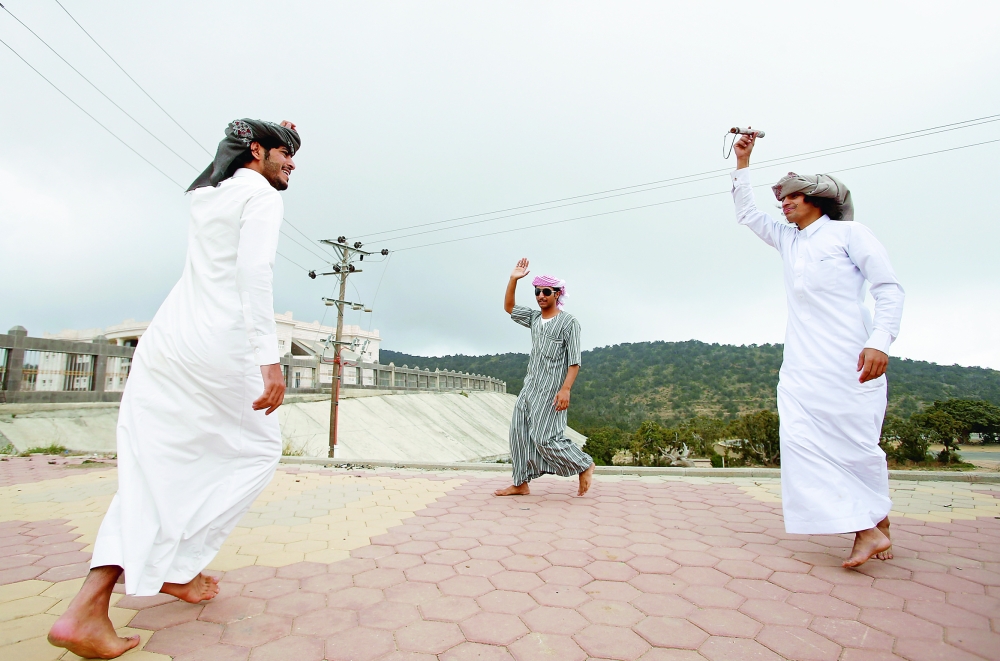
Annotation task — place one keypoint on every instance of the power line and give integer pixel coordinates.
(288, 236)
(684, 199)
(133, 79)
(781, 161)
(854, 146)
(99, 91)
(292, 261)
(110, 132)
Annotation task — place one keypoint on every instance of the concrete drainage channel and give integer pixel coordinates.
(919, 476)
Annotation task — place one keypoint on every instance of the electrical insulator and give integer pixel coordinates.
(336, 268)
(358, 244)
(350, 268)
(312, 274)
(361, 258)
(341, 239)
(385, 251)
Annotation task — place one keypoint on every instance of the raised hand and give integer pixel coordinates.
(743, 148)
(288, 125)
(520, 270)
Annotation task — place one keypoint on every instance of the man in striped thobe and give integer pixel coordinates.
(538, 443)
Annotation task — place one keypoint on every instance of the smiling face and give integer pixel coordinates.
(277, 166)
(547, 302)
(798, 210)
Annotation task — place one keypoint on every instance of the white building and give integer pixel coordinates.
(298, 338)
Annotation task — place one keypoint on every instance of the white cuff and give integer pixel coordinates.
(741, 177)
(879, 340)
(265, 349)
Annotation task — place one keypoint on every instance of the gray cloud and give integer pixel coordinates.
(417, 112)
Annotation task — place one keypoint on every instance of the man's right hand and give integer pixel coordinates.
(274, 389)
(743, 147)
(520, 270)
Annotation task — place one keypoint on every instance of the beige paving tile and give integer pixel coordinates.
(33, 649)
(25, 628)
(12, 610)
(64, 589)
(13, 591)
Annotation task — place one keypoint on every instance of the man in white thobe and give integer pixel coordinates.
(196, 441)
(832, 385)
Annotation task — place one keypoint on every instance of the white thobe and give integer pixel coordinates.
(833, 474)
(192, 453)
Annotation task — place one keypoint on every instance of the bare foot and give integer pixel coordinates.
(512, 490)
(867, 543)
(883, 527)
(199, 588)
(85, 628)
(586, 477)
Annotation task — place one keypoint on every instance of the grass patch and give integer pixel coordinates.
(289, 450)
(51, 449)
(8, 448)
(931, 466)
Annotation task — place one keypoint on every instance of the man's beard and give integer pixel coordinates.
(272, 172)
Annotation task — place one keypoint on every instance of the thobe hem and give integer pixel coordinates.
(847, 524)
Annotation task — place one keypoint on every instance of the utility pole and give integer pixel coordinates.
(342, 268)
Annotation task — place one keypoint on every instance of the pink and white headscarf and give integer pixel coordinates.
(549, 281)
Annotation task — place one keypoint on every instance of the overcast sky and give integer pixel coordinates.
(416, 112)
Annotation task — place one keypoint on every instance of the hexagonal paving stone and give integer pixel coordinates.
(611, 590)
(326, 583)
(719, 648)
(798, 643)
(565, 596)
(493, 628)
(850, 633)
(257, 630)
(412, 593)
(296, 603)
(429, 637)
(450, 609)
(506, 601)
(566, 576)
(166, 615)
(475, 652)
(183, 638)
(722, 622)
(546, 647)
(299, 648)
(387, 615)
(710, 596)
(270, 588)
(379, 579)
(670, 632)
(517, 581)
(354, 598)
(611, 642)
(359, 644)
(613, 613)
(548, 619)
(324, 623)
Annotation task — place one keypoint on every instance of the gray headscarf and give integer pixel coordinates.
(239, 134)
(817, 185)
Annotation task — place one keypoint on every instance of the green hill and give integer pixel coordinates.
(626, 384)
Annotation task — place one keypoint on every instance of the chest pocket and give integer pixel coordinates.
(550, 347)
(825, 274)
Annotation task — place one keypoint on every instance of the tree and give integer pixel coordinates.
(971, 416)
(903, 441)
(941, 428)
(760, 441)
(603, 442)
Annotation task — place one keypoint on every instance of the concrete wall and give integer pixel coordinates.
(432, 427)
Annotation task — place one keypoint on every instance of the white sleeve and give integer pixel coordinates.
(763, 225)
(871, 258)
(259, 227)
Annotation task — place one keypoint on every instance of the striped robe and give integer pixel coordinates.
(538, 443)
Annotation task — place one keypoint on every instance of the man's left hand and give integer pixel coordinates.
(872, 364)
(562, 399)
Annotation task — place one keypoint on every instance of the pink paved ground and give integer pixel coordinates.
(638, 570)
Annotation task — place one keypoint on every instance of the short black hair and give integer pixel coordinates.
(826, 205)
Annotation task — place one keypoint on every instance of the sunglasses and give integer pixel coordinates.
(546, 291)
